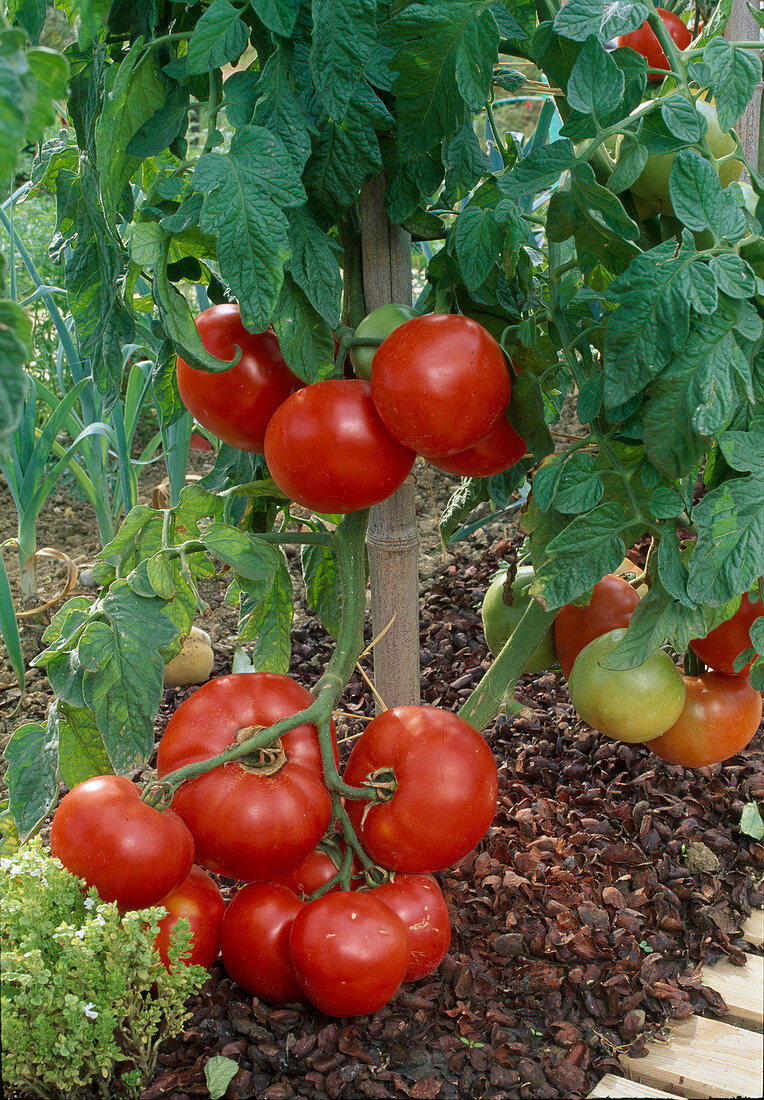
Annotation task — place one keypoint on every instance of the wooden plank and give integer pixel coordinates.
(753, 928)
(703, 1058)
(620, 1088)
(742, 988)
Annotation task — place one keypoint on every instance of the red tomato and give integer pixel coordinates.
(247, 824)
(327, 449)
(199, 900)
(445, 793)
(611, 606)
(132, 854)
(238, 403)
(350, 953)
(497, 452)
(645, 42)
(418, 901)
(723, 645)
(440, 383)
(313, 872)
(255, 941)
(721, 714)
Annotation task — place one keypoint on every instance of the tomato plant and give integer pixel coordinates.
(634, 704)
(328, 450)
(498, 451)
(255, 941)
(250, 819)
(502, 610)
(719, 718)
(610, 607)
(133, 854)
(377, 325)
(422, 756)
(440, 383)
(722, 646)
(644, 41)
(313, 872)
(238, 403)
(199, 900)
(350, 952)
(419, 902)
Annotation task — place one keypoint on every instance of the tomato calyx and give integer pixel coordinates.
(263, 759)
(384, 783)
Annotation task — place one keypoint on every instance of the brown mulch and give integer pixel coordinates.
(579, 925)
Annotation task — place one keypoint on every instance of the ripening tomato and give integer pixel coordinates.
(440, 383)
(611, 606)
(723, 645)
(247, 823)
(238, 403)
(445, 782)
(419, 902)
(377, 325)
(327, 449)
(313, 872)
(133, 854)
(199, 900)
(255, 941)
(349, 951)
(634, 704)
(498, 451)
(645, 42)
(720, 716)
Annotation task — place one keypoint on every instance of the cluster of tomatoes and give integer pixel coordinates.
(440, 387)
(684, 719)
(266, 819)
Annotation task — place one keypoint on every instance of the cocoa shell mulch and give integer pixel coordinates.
(579, 925)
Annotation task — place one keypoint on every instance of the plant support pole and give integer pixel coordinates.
(392, 541)
(742, 27)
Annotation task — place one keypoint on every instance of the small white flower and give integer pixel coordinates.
(90, 1010)
(89, 903)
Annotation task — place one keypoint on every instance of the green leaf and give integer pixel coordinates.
(344, 35)
(599, 207)
(179, 323)
(343, 156)
(89, 16)
(51, 71)
(477, 242)
(268, 621)
(136, 94)
(631, 162)
(305, 339)
(322, 586)
(733, 275)
(246, 192)
(219, 1072)
(276, 107)
(15, 351)
(166, 124)
(251, 558)
(81, 751)
(734, 75)
(596, 84)
(18, 95)
(579, 19)
(682, 119)
(698, 199)
(314, 265)
(219, 36)
(540, 169)
(32, 775)
(9, 627)
(590, 546)
(751, 822)
(465, 162)
(278, 15)
(31, 14)
(579, 487)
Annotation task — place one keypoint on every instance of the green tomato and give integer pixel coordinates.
(652, 187)
(377, 325)
(633, 705)
(500, 619)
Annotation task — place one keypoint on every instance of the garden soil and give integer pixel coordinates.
(579, 924)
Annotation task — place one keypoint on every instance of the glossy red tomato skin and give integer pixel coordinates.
(720, 717)
(247, 825)
(498, 451)
(644, 41)
(315, 871)
(350, 953)
(199, 900)
(440, 383)
(327, 449)
(445, 799)
(419, 902)
(236, 404)
(724, 644)
(611, 607)
(255, 942)
(133, 854)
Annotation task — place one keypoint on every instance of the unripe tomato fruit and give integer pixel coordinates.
(419, 902)
(255, 941)
(632, 705)
(377, 325)
(350, 952)
(238, 403)
(445, 788)
(199, 900)
(133, 854)
(719, 718)
(327, 449)
(498, 451)
(611, 606)
(500, 618)
(440, 383)
(645, 42)
(723, 645)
